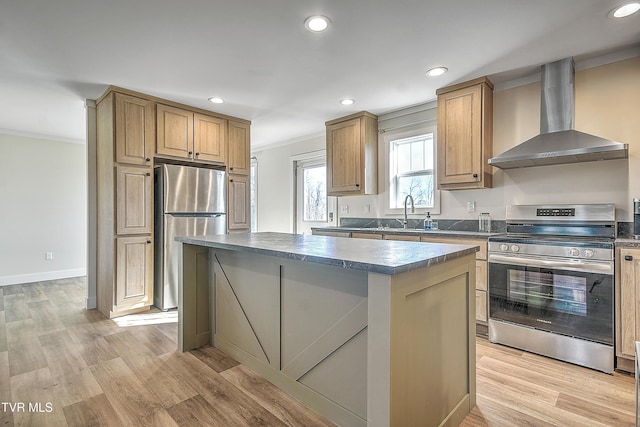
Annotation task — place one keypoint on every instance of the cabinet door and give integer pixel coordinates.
(175, 132)
(239, 203)
(209, 138)
(460, 136)
(134, 272)
(344, 161)
(134, 200)
(629, 325)
(239, 148)
(481, 306)
(135, 130)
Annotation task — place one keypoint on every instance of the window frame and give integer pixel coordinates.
(387, 139)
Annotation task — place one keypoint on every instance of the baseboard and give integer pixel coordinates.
(40, 277)
(91, 303)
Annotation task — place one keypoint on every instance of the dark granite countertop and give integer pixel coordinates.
(627, 242)
(380, 256)
(418, 231)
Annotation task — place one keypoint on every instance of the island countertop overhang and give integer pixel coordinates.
(389, 257)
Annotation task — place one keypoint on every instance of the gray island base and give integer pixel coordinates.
(365, 332)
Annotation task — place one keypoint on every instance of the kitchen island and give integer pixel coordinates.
(378, 333)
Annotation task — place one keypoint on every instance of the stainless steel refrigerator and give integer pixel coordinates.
(189, 201)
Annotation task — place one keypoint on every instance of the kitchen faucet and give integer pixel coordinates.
(405, 223)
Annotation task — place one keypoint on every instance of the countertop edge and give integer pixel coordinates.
(336, 262)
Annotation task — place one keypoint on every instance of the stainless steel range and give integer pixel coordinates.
(551, 282)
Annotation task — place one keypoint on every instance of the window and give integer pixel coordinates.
(314, 193)
(411, 171)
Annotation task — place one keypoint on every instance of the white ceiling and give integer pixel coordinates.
(257, 55)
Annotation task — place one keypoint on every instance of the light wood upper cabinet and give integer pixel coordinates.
(134, 272)
(135, 135)
(239, 161)
(134, 200)
(184, 134)
(627, 303)
(239, 215)
(209, 138)
(352, 155)
(465, 135)
(175, 132)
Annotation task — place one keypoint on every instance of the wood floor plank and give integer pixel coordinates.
(168, 388)
(37, 388)
(280, 404)
(44, 317)
(93, 412)
(135, 353)
(25, 351)
(33, 292)
(195, 412)
(68, 368)
(133, 403)
(6, 418)
(231, 406)
(155, 340)
(214, 358)
(16, 308)
(3, 332)
(597, 412)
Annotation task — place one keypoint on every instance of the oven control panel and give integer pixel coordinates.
(551, 250)
(556, 212)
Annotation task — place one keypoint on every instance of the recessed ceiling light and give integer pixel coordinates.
(437, 71)
(625, 10)
(316, 23)
(216, 100)
(347, 101)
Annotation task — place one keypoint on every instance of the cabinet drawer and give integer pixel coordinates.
(401, 237)
(367, 236)
(481, 306)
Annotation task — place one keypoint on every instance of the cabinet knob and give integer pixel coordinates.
(197, 154)
(230, 169)
(190, 152)
(475, 175)
(147, 159)
(628, 258)
(148, 242)
(230, 180)
(357, 185)
(148, 173)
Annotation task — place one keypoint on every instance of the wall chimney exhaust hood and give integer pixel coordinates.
(558, 142)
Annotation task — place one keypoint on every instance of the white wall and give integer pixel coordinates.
(42, 209)
(275, 186)
(607, 105)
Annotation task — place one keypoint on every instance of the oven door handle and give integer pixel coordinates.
(589, 267)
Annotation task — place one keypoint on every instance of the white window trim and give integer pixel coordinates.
(389, 136)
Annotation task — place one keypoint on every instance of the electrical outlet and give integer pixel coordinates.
(344, 209)
(367, 208)
(48, 256)
(471, 207)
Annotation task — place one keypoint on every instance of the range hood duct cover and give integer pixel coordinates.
(558, 142)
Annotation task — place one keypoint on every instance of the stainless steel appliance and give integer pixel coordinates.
(551, 282)
(188, 202)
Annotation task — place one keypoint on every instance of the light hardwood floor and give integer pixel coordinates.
(77, 368)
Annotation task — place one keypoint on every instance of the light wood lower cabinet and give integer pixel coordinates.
(134, 200)
(239, 203)
(134, 272)
(403, 237)
(627, 306)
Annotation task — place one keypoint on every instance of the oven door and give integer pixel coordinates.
(565, 296)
